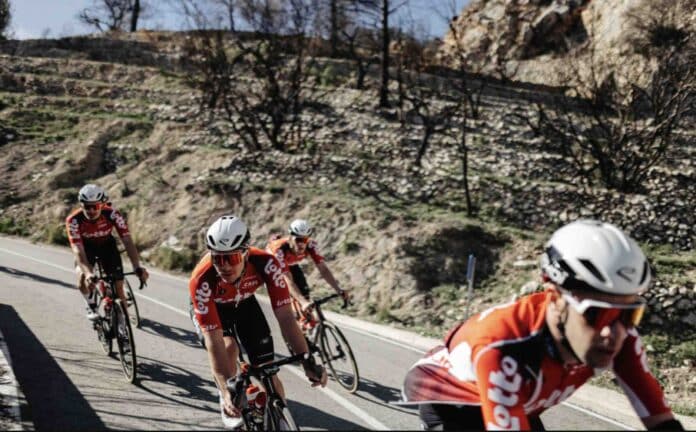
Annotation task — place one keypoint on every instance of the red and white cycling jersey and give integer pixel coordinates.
(281, 249)
(82, 230)
(207, 288)
(504, 360)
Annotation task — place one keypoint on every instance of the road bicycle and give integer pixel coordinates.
(133, 311)
(111, 323)
(267, 412)
(333, 347)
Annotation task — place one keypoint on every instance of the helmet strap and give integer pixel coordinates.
(561, 329)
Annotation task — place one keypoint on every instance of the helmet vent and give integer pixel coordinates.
(236, 239)
(211, 240)
(646, 272)
(588, 264)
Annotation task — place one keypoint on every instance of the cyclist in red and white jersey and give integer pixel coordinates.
(503, 367)
(291, 251)
(89, 232)
(222, 289)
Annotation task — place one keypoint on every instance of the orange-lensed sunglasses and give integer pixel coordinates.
(228, 258)
(599, 314)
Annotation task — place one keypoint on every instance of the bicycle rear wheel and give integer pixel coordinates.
(133, 311)
(125, 342)
(278, 417)
(338, 356)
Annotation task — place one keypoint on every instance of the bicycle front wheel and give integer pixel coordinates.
(125, 342)
(103, 330)
(338, 356)
(278, 417)
(133, 311)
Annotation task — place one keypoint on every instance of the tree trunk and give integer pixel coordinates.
(334, 28)
(230, 14)
(427, 133)
(384, 89)
(362, 71)
(135, 14)
(464, 153)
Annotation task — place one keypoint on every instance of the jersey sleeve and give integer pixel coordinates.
(72, 226)
(119, 222)
(631, 369)
(204, 310)
(500, 383)
(313, 250)
(277, 288)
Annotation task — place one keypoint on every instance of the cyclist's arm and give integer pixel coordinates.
(131, 251)
(328, 276)
(290, 330)
(81, 256)
(643, 390)
(499, 383)
(295, 291)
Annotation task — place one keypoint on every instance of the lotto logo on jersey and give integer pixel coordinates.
(505, 384)
(74, 228)
(118, 219)
(203, 294)
(274, 272)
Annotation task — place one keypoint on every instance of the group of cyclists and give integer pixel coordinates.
(499, 369)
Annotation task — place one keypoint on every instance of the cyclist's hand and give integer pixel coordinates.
(307, 307)
(346, 295)
(142, 273)
(315, 373)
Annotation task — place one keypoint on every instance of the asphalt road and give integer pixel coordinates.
(69, 384)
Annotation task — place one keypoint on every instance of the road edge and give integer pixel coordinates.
(9, 389)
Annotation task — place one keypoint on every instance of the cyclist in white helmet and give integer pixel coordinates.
(503, 367)
(223, 304)
(291, 251)
(89, 232)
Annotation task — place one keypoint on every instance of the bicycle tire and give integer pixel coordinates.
(133, 311)
(279, 417)
(125, 343)
(103, 334)
(335, 347)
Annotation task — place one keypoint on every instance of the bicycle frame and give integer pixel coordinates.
(264, 373)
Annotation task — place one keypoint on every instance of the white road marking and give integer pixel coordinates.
(359, 413)
(599, 416)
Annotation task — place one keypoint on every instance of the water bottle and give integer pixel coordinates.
(256, 398)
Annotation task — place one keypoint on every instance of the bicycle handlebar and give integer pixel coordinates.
(328, 298)
(142, 284)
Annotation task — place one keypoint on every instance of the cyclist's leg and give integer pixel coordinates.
(450, 417)
(255, 336)
(113, 266)
(88, 294)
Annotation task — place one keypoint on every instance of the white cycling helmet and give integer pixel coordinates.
(595, 256)
(300, 228)
(227, 234)
(91, 193)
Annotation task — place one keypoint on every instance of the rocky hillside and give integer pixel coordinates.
(82, 109)
(537, 38)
